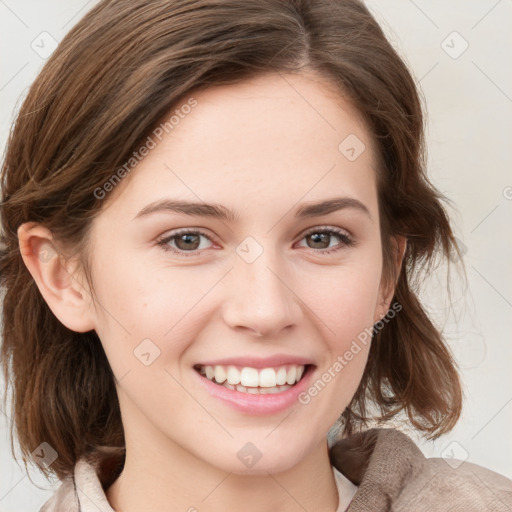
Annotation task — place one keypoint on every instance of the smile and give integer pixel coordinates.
(254, 381)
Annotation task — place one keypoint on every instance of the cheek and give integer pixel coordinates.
(344, 299)
(345, 304)
(347, 313)
(141, 311)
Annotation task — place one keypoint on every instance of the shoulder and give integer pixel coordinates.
(393, 474)
(464, 487)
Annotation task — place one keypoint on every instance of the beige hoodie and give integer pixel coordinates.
(389, 470)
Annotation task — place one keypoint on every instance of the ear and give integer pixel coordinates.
(387, 288)
(56, 277)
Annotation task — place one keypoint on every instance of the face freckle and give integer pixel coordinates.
(255, 286)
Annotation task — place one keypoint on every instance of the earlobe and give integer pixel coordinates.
(55, 277)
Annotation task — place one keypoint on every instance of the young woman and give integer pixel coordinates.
(212, 214)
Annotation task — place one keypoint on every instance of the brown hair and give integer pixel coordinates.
(111, 79)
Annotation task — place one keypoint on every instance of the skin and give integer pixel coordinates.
(261, 148)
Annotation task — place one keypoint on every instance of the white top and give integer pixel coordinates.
(346, 490)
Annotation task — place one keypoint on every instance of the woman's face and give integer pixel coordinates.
(261, 283)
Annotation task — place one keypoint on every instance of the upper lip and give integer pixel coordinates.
(258, 362)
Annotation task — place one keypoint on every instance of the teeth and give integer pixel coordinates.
(233, 375)
(281, 376)
(220, 374)
(292, 374)
(268, 380)
(249, 377)
(256, 391)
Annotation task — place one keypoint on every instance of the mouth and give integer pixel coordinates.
(255, 381)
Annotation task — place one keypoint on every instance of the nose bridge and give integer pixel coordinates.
(261, 298)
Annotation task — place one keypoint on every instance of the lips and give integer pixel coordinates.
(256, 385)
(252, 400)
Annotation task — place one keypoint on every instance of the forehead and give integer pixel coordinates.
(271, 140)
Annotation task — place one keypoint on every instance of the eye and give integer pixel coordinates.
(187, 242)
(184, 241)
(321, 239)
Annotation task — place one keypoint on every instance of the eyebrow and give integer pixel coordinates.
(217, 211)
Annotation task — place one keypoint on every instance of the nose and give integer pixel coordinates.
(261, 298)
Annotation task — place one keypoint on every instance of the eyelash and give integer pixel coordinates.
(346, 240)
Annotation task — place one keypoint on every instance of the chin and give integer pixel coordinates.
(248, 459)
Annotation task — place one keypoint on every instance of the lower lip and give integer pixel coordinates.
(258, 405)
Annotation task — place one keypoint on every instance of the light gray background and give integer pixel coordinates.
(468, 95)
